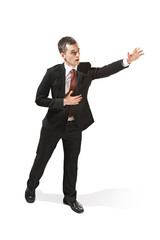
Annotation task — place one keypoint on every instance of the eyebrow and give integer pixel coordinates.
(73, 50)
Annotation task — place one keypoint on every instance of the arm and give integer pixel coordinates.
(43, 92)
(116, 66)
(107, 70)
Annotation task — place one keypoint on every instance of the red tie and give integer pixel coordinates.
(72, 86)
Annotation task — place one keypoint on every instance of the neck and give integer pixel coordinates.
(72, 66)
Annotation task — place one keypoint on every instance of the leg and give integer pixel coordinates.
(71, 144)
(47, 143)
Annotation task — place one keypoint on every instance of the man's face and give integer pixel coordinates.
(72, 55)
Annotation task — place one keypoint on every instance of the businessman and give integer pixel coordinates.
(68, 114)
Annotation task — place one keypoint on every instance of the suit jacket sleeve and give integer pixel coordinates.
(107, 70)
(43, 92)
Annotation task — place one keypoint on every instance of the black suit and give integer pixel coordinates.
(55, 125)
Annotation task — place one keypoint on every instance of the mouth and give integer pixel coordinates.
(77, 59)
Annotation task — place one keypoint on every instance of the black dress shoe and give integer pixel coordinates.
(30, 195)
(75, 206)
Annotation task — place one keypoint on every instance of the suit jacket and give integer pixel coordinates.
(54, 80)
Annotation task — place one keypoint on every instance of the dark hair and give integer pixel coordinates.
(63, 41)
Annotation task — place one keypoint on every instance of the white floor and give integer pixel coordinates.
(118, 204)
(109, 214)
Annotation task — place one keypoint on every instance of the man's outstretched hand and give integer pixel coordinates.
(72, 100)
(135, 55)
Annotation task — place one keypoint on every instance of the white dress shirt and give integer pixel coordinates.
(68, 78)
(125, 63)
(68, 82)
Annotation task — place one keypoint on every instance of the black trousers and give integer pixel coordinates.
(71, 139)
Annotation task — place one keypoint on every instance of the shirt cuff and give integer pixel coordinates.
(125, 63)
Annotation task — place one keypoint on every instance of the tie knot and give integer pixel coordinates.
(73, 71)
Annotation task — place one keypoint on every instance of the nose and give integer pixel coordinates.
(78, 54)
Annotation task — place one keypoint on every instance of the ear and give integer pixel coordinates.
(63, 55)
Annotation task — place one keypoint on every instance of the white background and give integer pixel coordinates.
(118, 178)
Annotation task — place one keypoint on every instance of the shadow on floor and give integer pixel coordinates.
(121, 198)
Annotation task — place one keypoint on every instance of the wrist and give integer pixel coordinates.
(128, 61)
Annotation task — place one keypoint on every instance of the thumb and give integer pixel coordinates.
(70, 93)
(128, 54)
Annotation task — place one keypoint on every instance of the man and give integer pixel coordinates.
(68, 114)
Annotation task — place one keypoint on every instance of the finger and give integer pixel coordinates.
(140, 51)
(70, 93)
(76, 97)
(134, 50)
(78, 100)
(75, 103)
(137, 50)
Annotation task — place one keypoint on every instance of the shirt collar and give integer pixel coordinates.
(68, 69)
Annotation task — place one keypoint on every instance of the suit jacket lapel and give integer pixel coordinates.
(79, 81)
